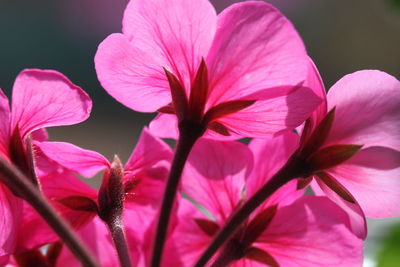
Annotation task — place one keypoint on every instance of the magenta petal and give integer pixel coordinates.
(43, 98)
(5, 261)
(165, 126)
(315, 83)
(11, 212)
(62, 184)
(96, 236)
(150, 152)
(130, 75)
(5, 124)
(277, 114)
(357, 221)
(147, 170)
(255, 48)
(270, 154)
(311, 232)
(171, 34)
(175, 33)
(34, 231)
(188, 240)
(367, 110)
(215, 175)
(74, 158)
(372, 176)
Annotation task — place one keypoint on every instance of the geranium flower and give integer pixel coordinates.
(40, 98)
(238, 73)
(354, 149)
(144, 175)
(287, 230)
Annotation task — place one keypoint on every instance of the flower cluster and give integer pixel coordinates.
(213, 200)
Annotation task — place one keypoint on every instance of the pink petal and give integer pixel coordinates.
(57, 185)
(367, 110)
(140, 222)
(147, 169)
(35, 232)
(130, 75)
(357, 221)
(315, 83)
(275, 115)
(311, 232)
(215, 175)
(178, 32)
(270, 155)
(95, 235)
(11, 212)
(172, 34)
(40, 135)
(85, 162)
(5, 261)
(165, 126)
(188, 239)
(62, 183)
(5, 124)
(255, 48)
(372, 176)
(44, 98)
(150, 152)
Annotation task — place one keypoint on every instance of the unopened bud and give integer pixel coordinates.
(111, 193)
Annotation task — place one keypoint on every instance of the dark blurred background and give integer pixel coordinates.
(342, 36)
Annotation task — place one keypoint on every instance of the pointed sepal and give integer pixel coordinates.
(303, 182)
(331, 156)
(178, 94)
(335, 186)
(198, 93)
(79, 203)
(258, 224)
(319, 135)
(261, 256)
(208, 227)
(226, 108)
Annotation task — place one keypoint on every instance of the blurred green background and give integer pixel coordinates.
(342, 36)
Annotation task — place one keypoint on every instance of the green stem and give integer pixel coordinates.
(17, 182)
(185, 143)
(283, 176)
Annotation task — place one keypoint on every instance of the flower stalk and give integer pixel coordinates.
(187, 139)
(111, 205)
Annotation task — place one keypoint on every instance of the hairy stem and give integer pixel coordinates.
(284, 175)
(184, 146)
(121, 245)
(16, 181)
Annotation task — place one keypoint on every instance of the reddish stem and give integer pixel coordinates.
(188, 137)
(17, 182)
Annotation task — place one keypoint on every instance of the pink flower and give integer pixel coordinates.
(287, 230)
(144, 175)
(40, 98)
(145, 170)
(355, 148)
(238, 73)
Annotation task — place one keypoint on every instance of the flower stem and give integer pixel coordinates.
(185, 143)
(288, 172)
(119, 238)
(16, 181)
